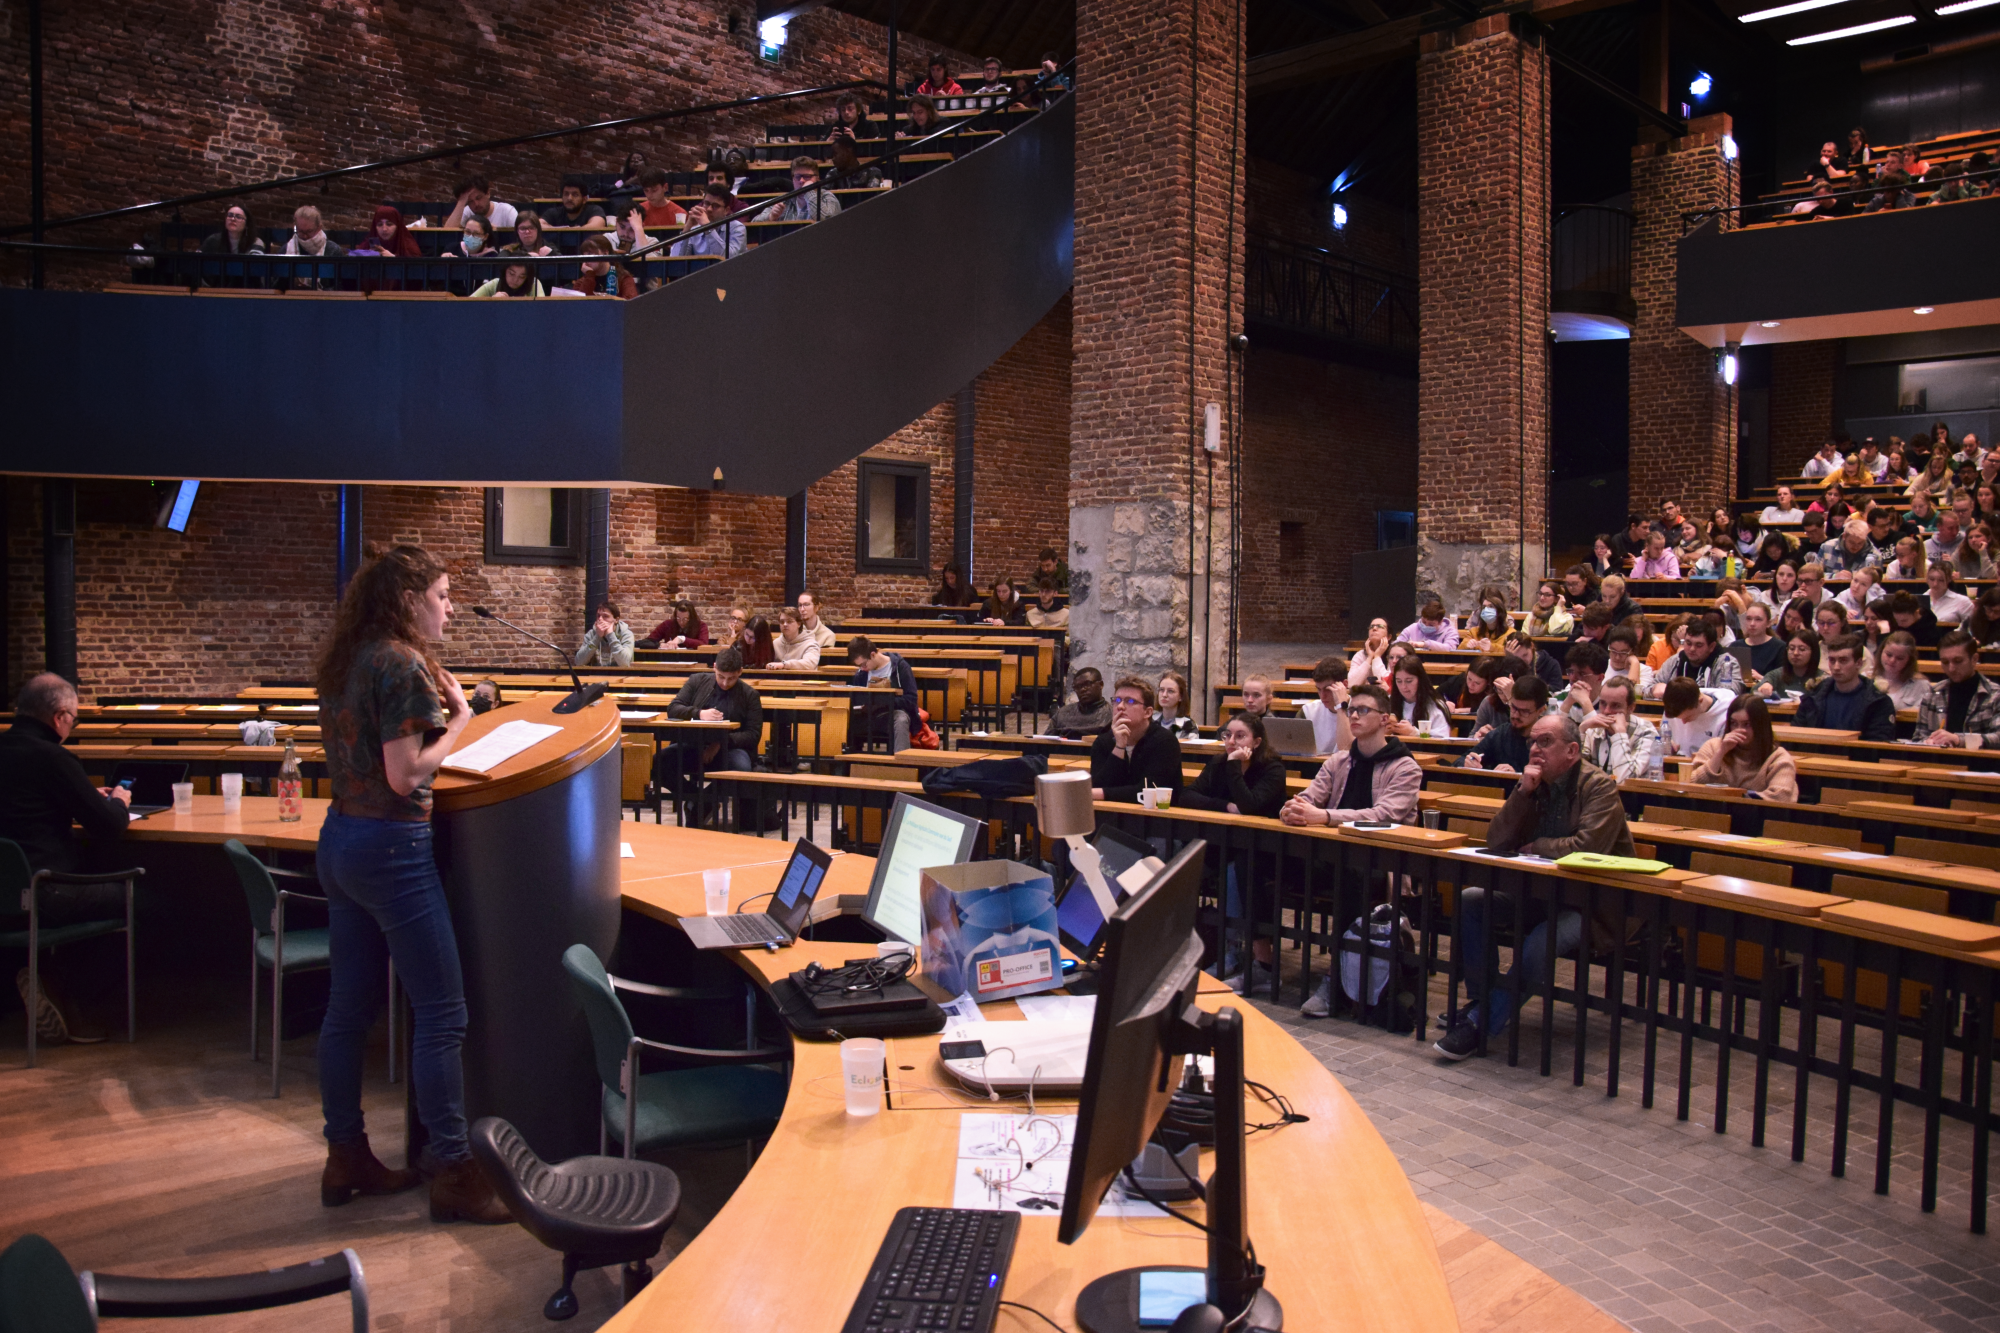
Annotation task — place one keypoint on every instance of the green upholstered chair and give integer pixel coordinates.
(23, 886)
(717, 1096)
(283, 949)
(39, 1294)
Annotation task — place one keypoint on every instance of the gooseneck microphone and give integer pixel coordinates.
(583, 696)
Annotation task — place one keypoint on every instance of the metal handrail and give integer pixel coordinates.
(434, 154)
(1390, 321)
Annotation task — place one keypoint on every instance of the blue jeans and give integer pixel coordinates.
(384, 901)
(1532, 955)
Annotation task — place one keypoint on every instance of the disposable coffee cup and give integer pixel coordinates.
(889, 949)
(183, 798)
(715, 891)
(232, 793)
(861, 1061)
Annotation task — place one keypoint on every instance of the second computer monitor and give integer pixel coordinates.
(1152, 958)
(918, 835)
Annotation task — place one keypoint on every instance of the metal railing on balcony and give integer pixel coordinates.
(1590, 262)
(1339, 303)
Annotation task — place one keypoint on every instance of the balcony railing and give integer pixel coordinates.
(1341, 304)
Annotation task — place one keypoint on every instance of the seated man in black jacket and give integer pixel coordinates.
(892, 719)
(1846, 700)
(721, 695)
(1505, 749)
(43, 791)
(1134, 754)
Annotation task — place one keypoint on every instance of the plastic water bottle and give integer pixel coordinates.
(291, 786)
(1656, 766)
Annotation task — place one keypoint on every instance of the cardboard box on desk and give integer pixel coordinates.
(990, 930)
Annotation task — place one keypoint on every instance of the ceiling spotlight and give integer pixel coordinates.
(1925, 310)
(1945, 11)
(1728, 148)
(1899, 21)
(1768, 324)
(1701, 84)
(1339, 216)
(1782, 10)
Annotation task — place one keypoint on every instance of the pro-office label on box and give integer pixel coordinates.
(1013, 970)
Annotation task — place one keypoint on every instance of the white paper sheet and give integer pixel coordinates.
(1057, 1008)
(499, 745)
(1852, 856)
(636, 717)
(625, 849)
(1008, 1161)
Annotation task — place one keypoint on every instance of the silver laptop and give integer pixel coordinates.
(791, 906)
(1291, 736)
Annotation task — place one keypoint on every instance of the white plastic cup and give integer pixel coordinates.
(232, 793)
(715, 891)
(183, 798)
(861, 1072)
(888, 949)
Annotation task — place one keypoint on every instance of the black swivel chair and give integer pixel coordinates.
(39, 1294)
(22, 885)
(597, 1211)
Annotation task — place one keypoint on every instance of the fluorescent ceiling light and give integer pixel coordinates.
(1855, 31)
(1799, 8)
(1945, 11)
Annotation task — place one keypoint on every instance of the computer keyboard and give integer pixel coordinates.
(742, 928)
(938, 1268)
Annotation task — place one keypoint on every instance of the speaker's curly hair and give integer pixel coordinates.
(375, 608)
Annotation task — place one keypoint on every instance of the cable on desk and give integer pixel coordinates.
(1037, 1314)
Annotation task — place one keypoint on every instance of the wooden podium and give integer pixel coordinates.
(529, 857)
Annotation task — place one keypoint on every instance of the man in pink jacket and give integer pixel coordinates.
(1376, 780)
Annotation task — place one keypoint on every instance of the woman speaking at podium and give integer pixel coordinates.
(389, 714)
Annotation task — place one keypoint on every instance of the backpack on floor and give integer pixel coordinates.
(1389, 934)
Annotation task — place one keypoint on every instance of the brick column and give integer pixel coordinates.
(1482, 266)
(1802, 379)
(1683, 421)
(1160, 172)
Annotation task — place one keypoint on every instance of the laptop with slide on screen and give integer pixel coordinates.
(1291, 736)
(791, 905)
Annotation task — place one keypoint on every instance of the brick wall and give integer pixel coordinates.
(1020, 483)
(1482, 427)
(1683, 418)
(157, 97)
(1802, 383)
(1155, 301)
(1325, 446)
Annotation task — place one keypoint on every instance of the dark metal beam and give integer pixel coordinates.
(37, 195)
(1623, 96)
(1335, 56)
(59, 577)
(347, 539)
(962, 466)
(795, 546)
(596, 550)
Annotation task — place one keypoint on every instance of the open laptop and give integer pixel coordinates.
(1078, 920)
(151, 783)
(1291, 736)
(790, 907)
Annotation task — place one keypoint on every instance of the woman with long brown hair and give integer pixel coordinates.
(389, 714)
(1746, 754)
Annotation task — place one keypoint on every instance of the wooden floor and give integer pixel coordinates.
(168, 1158)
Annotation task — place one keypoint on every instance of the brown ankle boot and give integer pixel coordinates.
(352, 1168)
(461, 1193)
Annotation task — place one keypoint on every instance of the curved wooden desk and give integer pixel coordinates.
(1334, 1218)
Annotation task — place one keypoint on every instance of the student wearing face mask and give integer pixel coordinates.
(1487, 624)
(1431, 629)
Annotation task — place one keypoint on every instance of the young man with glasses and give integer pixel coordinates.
(1134, 754)
(1560, 805)
(816, 206)
(1375, 780)
(1505, 749)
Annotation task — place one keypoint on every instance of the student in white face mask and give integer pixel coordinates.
(1487, 624)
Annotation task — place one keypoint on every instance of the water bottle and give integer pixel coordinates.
(291, 786)
(1656, 766)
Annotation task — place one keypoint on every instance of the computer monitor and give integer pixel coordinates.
(174, 513)
(1144, 1025)
(919, 834)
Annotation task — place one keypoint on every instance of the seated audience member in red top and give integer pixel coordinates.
(598, 278)
(939, 83)
(683, 628)
(388, 236)
(660, 211)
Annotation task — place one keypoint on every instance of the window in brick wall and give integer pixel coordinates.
(1395, 527)
(892, 524)
(534, 525)
(1291, 546)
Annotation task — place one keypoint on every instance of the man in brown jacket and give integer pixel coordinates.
(1560, 805)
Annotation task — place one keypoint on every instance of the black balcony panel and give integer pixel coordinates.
(775, 367)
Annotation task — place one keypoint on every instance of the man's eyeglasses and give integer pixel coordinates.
(1128, 700)
(1541, 742)
(1357, 710)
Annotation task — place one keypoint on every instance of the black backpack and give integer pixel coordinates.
(988, 777)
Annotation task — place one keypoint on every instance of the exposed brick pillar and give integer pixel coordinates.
(1802, 376)
(1482, 264)
(1160, 174)
(1683, 417)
